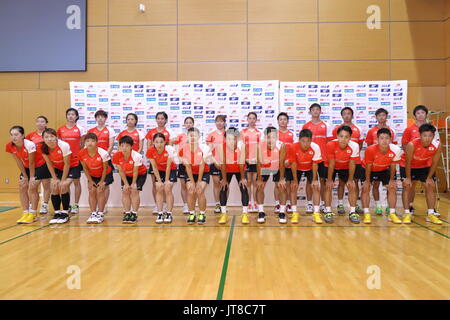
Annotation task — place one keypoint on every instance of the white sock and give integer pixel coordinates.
(352, 209)
(317, 209)
(260, 207)
(223, 209)
(366, 210)
(192, 212)
(322, 203)
(277, 202)
(100, 213)
(294, 208)
(411, 204)
(340, 201)
(407, 211)
(430, 211)
(217, 203)
(93, 212)
(391, 210)
(310, 203)
(32, 211)
(377, 203)
(288, 202)
(328, 209)
(245, 209)
(202, 212)
(282, 208)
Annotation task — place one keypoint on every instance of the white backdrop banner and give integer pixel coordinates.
(203, 100)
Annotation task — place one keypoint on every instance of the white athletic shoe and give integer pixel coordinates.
(75, 209)
(55, 218)
(160, 218)
(63, 217)
(92, 218)
(322, 208)
(44, 208)
(168, 218)
(309, 208)
(100, 217)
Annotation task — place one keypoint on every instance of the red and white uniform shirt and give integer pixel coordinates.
(216, 141)
(287, 138)
(412, 132)
(57, 155)
(127, 165)
(95, 163)
(103, 136)
(162, 158)
(371, 137)
(194, 158)
(380, 161)
(342, 156)
(136, 135)
(234, 158)
(73, 137)
(24, 152)
(422, 156)
(322, 133)
(357, 135)
(304, 159)
(270, 156)
(251, 139)
(167, 134)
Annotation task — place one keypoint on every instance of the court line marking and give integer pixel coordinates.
(226, 259)
(23, 234)
(421, 225)
(10, 208)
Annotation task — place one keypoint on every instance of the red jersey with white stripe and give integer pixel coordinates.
(371, 137)
(134, 160)
(217, 140)
(136, 135)
(270, 155)
(35, 137)
(286, 136)
(95, 163)
(381, 161)
(152, 132)
(251, 138)
(412, 132)
(357, 136)
(194, 158)
(422, 156)
(57, 155)
(103, 136)
(304, 159)
(73, 137)
(322, 133)
(234, 158)
(162, 158)
(24, 152)
(342, 156)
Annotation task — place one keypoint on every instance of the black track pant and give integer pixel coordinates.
(224, 191)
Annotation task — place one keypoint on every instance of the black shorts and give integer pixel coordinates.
(231, 174)
(74, 173)
(308, 174)
(204, 178)
(288, 174)
(40, 173)
(420, 174)
(275, 177)
(181, 171)
(383, 176)
(341, 173)
(140, 181)
(214, 171)
(322, 170)
(251, 167)
(172, 175)
(109, 179)
(359, 172)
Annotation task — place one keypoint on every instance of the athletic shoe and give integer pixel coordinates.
(100, 217)
(191, 219)
(217, 209)
(133, 217)
(309, 208)
(30, 218)
(288, 208)
(436, 213)
(55, 218)
(340, 209)
(63, 218)
(282, 218)
(44, 208)
(245, 219)
(155, 211)
(294, 218)
(328, 217)
(261, 217)
(160, 218)
(277, 208)
(201, 218)
(354, 217)
(75, 209)
(387, 210)
(433, 219)
(223, 218)
(411, 209)
(322, 208)
(126, 217)
(406, 218)
(367, 218)
(92, 218)
(168, 218)
(252, 208)
(359, 210)
(23, 217)
(185, 210)
(393, 218)
(317, 218)
(378, 210)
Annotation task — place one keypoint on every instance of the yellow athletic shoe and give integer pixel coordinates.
(223, 218)
(30, 218)
(433, 219)
(317, 218)
(393, 218)
(23, 217)
(294, 217)
(244, 218)
(407, 218)
(367, 218)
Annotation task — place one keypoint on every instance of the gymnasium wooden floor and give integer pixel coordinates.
(177, 261)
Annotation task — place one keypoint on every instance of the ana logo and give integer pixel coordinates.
(59, 151)
(348, 151)
(391, 155)
(98, 159)
(322, 126)
(130, 162)
(311, 152)
(431, 148)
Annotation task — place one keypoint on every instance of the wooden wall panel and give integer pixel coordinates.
(214, 71)
(156, 12)
(417, 10)
(283, 71)
(350, 10)
(282, 11)
(212, 11)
